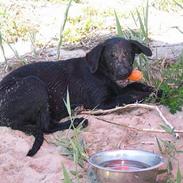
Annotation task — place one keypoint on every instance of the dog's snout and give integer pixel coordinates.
(123, 73)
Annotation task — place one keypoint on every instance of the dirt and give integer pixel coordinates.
(165, 28)
(46, 165)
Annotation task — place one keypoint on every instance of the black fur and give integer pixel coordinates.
(31, 97)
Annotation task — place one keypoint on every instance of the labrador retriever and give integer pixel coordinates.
(32, 96)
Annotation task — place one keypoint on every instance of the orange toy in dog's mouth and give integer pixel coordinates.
(136, 75)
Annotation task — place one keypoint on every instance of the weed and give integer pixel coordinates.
(169, 149)
(62, 28)
(79, 28)
(172, 86)
(67, 178)
(73, 146)
(32, 36)
(76, 146)
(142, 19)
(118, 27)
(13, 23)
(2, 47)
(168, 5)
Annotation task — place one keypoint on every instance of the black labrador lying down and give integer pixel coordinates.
(31, 97)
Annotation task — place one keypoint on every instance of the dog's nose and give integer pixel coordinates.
(123, 73)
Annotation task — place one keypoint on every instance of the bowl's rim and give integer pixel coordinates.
(126, 171)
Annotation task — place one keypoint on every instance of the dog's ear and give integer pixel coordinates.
(139, 48)
(93, 58)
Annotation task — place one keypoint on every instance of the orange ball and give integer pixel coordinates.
(135, 75)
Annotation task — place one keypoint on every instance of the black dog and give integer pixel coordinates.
(31, 97)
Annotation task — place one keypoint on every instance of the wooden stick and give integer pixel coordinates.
(131, 106)
(138, 129)
(122, 108)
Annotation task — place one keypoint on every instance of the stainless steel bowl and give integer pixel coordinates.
(142, 175)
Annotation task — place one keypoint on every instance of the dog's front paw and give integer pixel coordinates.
(146, 88)
(80, 121)
(159, 93)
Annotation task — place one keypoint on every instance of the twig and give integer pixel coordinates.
(131, 106)
(138, 129)
(117, 109)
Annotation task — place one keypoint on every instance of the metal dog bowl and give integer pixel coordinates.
(125, 166)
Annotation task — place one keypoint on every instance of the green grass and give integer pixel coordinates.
(73, 145)
(62, 29)
(2, 47)
(81, 26)
(67, 178)
(13, 24)
(169, 150)
(172, 86)
(168, 5)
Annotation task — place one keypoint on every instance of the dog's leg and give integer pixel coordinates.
(127, 95)
(28, 129)
(138, 87)
(119, 101)
(142, 88)
(26, 104)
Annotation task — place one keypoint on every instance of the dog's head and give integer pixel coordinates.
(115, 57)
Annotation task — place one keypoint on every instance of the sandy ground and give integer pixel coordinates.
(46, 17)
(46, 165)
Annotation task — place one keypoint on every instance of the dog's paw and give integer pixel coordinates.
(146, 88)
(159, 93)
(80, 121)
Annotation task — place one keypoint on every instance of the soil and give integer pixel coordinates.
(46, 165)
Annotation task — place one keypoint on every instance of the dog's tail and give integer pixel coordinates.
(39, 138)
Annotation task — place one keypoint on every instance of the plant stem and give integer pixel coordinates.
(62, 29)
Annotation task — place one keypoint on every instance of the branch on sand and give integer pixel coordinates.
(130, 107)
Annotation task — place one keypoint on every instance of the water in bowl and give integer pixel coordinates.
(124, 165)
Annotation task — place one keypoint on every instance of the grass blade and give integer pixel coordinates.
(68, 104)
(178, 4)
(134, 19)
(146, 18)
(141, 23)
(67, 178)
(169, 166)
(159, 145)
(118, 25)
(167, 129)
(12, 49)
(178, 176)
(179, 151)
(2, 48)
(62, 28)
